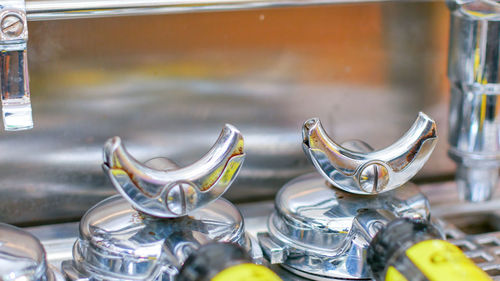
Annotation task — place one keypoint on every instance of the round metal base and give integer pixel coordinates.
(322, 233)
(119, 243)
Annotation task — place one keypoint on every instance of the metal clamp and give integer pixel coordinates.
(175, 192)
(373, 172)
(15, 94)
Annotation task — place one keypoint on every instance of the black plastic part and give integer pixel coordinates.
(211, 259)
(392, 241)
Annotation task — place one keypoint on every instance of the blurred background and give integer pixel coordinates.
(167, 84)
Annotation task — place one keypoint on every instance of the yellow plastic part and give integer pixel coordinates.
(394, 275)
(439, 260)
(246, 272)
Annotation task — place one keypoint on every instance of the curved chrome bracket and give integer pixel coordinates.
(373, 172)
(174, 193)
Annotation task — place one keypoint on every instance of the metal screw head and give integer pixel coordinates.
(181, 198)
(12, 25)
(373, 178)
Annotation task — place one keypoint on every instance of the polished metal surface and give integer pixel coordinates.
(323, 225)
(117, 242)
(162, 215)
(67, 9)
(371, 172)
(481, 245)
(324, 233)
(175, 192)
(166, 84)
(474, 65)
(22, 257)
(14, 77)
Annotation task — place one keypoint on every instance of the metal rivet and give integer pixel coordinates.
(12, 25)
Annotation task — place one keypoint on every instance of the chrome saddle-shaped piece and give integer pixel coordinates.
(324, 221)
(162, 215)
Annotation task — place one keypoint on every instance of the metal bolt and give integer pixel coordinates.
(181, 198)
(12, 25)
(373, 178)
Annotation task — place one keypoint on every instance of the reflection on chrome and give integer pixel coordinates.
(175, 192)
(22, 257)
(163, 215)
(320, 229)
(370, 172)
(14, 77)
(474, 119)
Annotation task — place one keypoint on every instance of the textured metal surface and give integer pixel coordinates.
(167, 83)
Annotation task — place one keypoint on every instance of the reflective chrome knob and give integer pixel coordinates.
(22, 257)
(375, 171)
(176, 192)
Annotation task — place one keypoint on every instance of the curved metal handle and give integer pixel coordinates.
(373, 172)
(175, 193)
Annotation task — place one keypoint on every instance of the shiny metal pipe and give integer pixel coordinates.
(474, 72)
(39, 10)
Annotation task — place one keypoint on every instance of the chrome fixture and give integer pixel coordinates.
(22, 257)
(177, 191)
(16, 104)
(318, 230)
(164, 213)
(482, 246)
(375, 171)
(474, 119)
